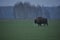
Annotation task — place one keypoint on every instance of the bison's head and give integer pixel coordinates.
(35, 21)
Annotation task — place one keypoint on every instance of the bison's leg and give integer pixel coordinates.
(47, 24)
(39, 25)
(44, 24)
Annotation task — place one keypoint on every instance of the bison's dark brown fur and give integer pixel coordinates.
(40, 20)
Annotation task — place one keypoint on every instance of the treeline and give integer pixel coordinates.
(25, 10)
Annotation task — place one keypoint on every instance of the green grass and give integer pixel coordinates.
(27, 30)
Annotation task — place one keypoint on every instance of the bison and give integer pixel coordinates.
(40, 21)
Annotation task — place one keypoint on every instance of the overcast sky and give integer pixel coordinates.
(33, 2)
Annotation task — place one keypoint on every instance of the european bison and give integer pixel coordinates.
(40, 21)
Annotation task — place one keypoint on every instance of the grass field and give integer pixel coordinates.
(27, 30)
